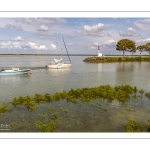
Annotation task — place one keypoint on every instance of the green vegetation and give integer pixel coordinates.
(143, 48)
(121, 93)
(126, 45)
(117, 59)
(4, 108)
(26, 101)
(133, 126)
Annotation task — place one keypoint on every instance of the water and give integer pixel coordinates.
(80, 75)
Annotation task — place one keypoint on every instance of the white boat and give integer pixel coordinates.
(15, 71)
(59, 64)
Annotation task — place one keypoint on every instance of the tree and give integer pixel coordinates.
(126, 45)
(145, 47)
(148, 48)
(141, 48)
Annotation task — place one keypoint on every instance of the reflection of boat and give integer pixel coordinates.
(59, 63)
(14, 71)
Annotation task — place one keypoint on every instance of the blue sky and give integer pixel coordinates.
(81, 35)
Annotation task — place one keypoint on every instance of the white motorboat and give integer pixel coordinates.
(15, 71)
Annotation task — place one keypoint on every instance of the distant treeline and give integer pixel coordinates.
(47, 55)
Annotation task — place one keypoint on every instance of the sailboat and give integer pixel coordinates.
(59, 64)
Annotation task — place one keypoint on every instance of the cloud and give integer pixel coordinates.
(10, 45)
(43, 28)
(18, 38)
(35, 46)
(109, 35)
(94, 45)
(52, 46)
(14, 27)
(42, 34)
(143, 24)
(129, 32)
(48, 21)
(16, 45)
(95, 30)
(110, 42)
(143, 40)
(128, 21)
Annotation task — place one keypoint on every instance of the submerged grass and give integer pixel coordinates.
(120, 93)
(95, 97)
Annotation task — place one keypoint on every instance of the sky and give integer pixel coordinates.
(82, 35)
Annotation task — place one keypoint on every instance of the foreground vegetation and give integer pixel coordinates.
(44, 117)
(117, 59)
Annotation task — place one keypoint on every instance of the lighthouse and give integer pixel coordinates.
(99, 54)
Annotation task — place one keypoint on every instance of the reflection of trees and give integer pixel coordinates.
(125, 72)
(125, 67)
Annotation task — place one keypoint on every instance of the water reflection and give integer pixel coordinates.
(13, 78)
(125, 67)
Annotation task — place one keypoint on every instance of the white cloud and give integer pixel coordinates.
(143, 24)
(143, 40)
(16, 45)
(18, 38)
(52, 46)
(111, 41)
(35, 46)
(95, 30)
(93, 47)
(95, 43)
(129, 32)
(10, 45)
(7, 45)
(43, 28)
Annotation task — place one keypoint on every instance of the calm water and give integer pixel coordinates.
(80, 75)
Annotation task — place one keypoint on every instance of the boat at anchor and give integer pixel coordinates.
(59, 64)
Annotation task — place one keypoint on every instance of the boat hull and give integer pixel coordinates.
(58, 66)
(11, 72)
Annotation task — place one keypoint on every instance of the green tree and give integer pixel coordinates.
(141, 48)
(148, 48)
(126, 45)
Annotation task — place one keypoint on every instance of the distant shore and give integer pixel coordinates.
(93, 55)
(1, 55)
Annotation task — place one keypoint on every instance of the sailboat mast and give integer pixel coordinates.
(66, 49)
(61, 44)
